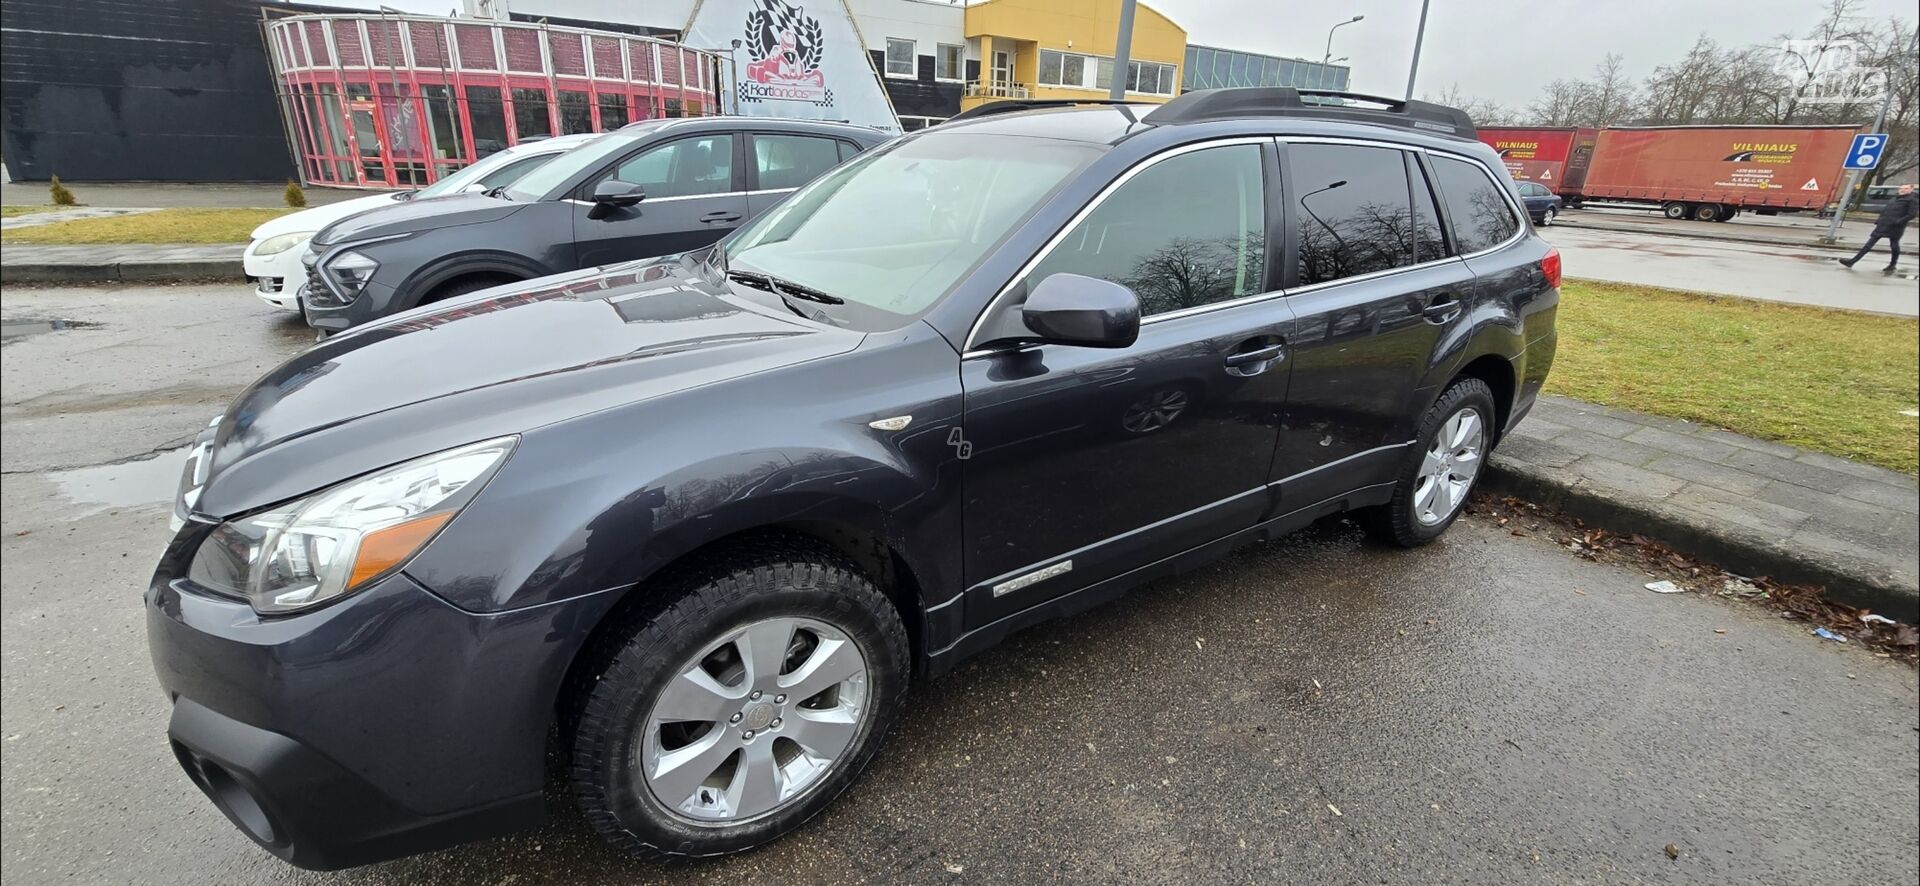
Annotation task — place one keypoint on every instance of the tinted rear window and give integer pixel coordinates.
(1352, 214)
(1480, 215)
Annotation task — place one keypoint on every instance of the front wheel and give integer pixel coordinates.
(1455, 436)
(742, 706)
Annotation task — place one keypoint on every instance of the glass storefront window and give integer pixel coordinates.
(488, 118)
(613, 112)
(530, 113)
(576, 112)
(443, 127)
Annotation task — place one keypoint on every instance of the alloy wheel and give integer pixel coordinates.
(754, 721)
(1451, 463)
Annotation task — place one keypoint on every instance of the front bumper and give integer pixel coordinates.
(275, 278)
(386, 724)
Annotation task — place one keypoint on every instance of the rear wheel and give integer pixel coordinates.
(742, 705)
(1711, 212)
(1455, 436)
(1546, 218)
(1677, 209)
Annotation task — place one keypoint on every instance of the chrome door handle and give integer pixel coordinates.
(1267, 354)
(721, 217)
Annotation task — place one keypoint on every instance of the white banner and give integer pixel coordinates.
(794, 60)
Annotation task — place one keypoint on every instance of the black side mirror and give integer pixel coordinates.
(1072, 309)
(614, 194)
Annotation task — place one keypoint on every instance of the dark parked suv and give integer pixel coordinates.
(692, 525)
(655, 188)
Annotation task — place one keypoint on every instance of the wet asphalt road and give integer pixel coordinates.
(1490, 709)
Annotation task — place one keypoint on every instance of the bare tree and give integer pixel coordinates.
(1559, 103)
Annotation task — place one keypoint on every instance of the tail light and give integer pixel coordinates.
(1550, 267)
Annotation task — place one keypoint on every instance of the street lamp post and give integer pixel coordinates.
(1328, 58)
(1419, 36)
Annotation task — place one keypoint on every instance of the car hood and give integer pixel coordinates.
(320, 216)
(498, 362)
(413, 216)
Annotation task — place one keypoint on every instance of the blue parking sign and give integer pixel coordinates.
(1866, 149)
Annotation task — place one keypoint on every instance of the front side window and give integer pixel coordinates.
(893, 230)
(949, 61)
(789, 161)
(689, 167)
(1352, 212)
(899, 57)
(1481, 217)
(1187, 231)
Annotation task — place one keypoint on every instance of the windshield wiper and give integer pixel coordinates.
(778, 286)
(762, 281)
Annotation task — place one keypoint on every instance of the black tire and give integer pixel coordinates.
(765, 577)
(1710, 212)
(1677, 209)
(1546, 217)
(1395, 521)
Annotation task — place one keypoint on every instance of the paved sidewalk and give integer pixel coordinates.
(263, 195)
(1739, 230)
(1751, 506)
(152, 262)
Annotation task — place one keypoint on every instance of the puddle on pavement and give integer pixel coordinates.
(12, 329)
(149, 481)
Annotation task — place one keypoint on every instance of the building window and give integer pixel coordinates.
(899, 57)
(915, 124)
(949, 61)
(1096, 72)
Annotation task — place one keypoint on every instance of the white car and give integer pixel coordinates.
(273, 256)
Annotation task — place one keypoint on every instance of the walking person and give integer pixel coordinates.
(1892, 224)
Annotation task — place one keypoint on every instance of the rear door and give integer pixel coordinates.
(782, 162)
(695, 194)
(1375, 296)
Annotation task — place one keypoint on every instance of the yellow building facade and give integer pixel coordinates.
(1063, 49)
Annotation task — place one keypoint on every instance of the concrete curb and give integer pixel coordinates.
(1696, 235)
(1726, 545)
(121, 272)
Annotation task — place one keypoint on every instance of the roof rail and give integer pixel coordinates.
(1285, 101)
(1008, 106)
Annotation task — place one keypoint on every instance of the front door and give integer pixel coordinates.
(695, 194)
(1084, 463)
(1002, 74)
(1375, 294)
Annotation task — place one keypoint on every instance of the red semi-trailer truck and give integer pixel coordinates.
(1554, 156)
(1710, 173)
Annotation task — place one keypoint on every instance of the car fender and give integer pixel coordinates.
(488, 261)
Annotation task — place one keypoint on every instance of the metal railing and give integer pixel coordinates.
(990, 89)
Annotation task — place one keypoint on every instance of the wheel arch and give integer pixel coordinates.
(442, 270)
(1501, 377)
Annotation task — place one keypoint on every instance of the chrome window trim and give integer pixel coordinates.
(1058, 236)
(650, 200)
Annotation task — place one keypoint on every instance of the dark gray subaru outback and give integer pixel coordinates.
(693, 525)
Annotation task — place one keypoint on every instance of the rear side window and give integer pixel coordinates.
(1481, 216)
(1185, 232)
(1352, 215)
(789, 161)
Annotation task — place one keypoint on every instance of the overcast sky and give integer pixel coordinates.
(1498, 49)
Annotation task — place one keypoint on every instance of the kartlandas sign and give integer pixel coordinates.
(793, 60)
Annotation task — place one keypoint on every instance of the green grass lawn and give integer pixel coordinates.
(164, 226)
(11, 211)
(1829, 381)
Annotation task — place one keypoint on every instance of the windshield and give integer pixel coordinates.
(454, 183)
(535, 185)
(894, 230)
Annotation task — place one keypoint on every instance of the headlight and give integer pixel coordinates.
(340, 540)
(282, 243)
(349, 273)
